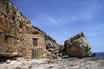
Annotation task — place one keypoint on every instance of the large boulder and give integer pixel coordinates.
(77, 46)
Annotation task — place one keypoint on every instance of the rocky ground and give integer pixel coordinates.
(70, 63)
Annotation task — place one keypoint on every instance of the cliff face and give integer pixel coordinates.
(12, 19)
(12, 23)
(18, 35)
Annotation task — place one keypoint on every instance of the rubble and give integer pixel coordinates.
(70, 63)
(52, 47)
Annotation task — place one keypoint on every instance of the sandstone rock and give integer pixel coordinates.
(17, 35)
(12, 23)
(78, 46)
(52, 47)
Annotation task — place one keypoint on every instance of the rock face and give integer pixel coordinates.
(12, 22)
(77, 46)
(52, 47)
(17, 35)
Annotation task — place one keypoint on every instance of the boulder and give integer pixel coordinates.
(77, 46)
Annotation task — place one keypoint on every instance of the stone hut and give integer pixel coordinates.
(31, 46)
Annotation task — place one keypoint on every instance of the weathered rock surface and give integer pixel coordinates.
(52, 47)
(17, 34)
(12, 23)
(71, 63)
(78, 46)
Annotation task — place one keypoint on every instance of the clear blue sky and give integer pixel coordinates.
(63, 18)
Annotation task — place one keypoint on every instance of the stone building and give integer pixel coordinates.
(31, 46)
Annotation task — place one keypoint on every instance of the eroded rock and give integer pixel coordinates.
(52, 47)
(19, 38)
(78, 46)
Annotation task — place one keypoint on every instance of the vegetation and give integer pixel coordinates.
(39, 30)
(46, 36)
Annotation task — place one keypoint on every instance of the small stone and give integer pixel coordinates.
(8, 61)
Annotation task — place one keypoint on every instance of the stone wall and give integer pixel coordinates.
(25, 45)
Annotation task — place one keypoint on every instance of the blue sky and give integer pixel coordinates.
(62, 19)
